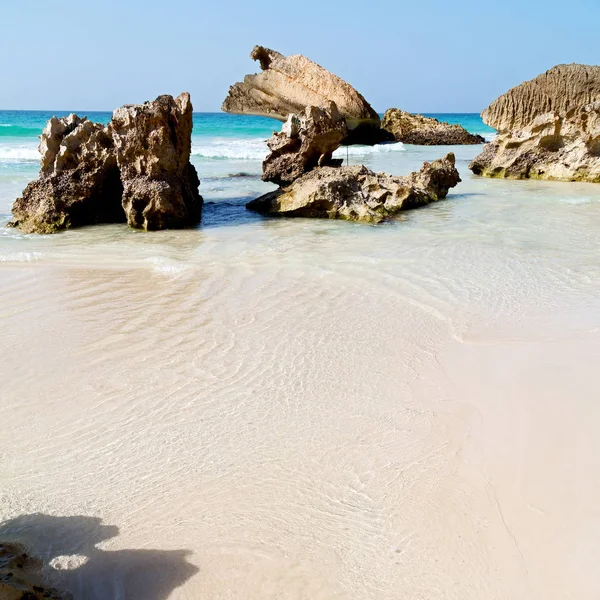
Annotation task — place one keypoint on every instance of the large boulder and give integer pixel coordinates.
(79, 180)
(426, 131)
(21, 576)
(134, 170)
(288, 84)
(305, 141)
(548, 128)
(358, 194)
(153, 147)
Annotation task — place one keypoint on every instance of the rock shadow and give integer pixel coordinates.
(73, 563)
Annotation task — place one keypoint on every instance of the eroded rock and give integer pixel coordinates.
(548, 128)
(21, 576)
(426, 131)
(288, 84)
(79, 180)
(358, 194)
(305, 141)
(137, 169)
(153, 147)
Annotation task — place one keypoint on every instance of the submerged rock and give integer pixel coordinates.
(79, 180)
(305, 141)
(417, 129)
(548, 128)
(153, 147)
(21, 576)
(136, 169)
(288, 84)
(358, 194)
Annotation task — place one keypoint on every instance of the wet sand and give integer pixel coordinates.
(302, 410)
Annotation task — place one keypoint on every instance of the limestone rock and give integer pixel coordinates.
(135, 170)
(417, 129)
(549, 128)
(79, 180)
(153, 147)
(287, 85)
(21, 577)
(358, 194)
(558, 90)
(305, 141)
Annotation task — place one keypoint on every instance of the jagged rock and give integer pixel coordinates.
(79, 180)
(136, 169)
(287, 85)
(426, 131)
(549, 128)
(21, 576)
(305, 141)
(153, 147)
(559, 89)
(358, 194)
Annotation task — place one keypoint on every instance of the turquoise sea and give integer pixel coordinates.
(227, 150)
(16, 124)
(216, 136)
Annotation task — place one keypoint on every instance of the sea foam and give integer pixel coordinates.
(256, 149)
(19, 153)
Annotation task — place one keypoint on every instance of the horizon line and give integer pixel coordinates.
(222, 112)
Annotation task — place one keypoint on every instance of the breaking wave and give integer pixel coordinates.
(256, 149)
(19, 153)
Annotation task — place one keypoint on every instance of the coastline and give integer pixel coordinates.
(311, 409)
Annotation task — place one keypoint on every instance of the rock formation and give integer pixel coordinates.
(358, 194)
(136, 169)
(287, 85)
(549, 128)
(21, 576)
(79, 180)
(426, 131)
(305, 141)
(153, 146)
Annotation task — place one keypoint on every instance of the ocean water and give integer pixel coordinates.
(305, 409)
(227, 150)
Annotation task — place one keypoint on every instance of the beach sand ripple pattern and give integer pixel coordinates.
(303, 409)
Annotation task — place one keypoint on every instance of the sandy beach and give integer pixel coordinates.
(302, 409)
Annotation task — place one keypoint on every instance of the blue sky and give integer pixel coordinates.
(428, 56)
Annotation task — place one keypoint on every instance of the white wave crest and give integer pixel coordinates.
(224, 148)
(19, 153)
(216, 149)
(369, 150)
(256, 149)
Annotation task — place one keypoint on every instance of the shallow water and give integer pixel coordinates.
(267, 408)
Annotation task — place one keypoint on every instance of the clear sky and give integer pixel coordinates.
(421, 55)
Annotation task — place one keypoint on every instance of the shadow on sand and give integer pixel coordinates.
(104, 575)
